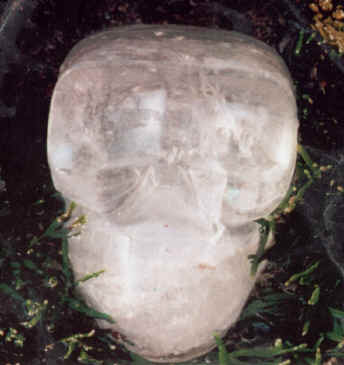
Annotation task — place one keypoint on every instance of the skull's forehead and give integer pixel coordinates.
(216, 49)
(147, 105)
(180, 53)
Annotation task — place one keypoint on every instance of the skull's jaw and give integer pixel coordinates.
(167, 309)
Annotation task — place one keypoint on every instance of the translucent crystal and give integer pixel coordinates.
(172, 140)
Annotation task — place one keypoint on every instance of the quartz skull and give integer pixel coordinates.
(172, 140)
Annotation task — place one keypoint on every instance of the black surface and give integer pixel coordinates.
(36, 35)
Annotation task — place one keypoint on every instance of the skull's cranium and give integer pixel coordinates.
(172, 140)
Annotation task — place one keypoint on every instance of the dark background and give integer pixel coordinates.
(35, 37)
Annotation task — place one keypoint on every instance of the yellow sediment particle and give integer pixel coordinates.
(49, 347)
(326, 5)
(314, 7)
(340, 188)
(329, 25)
(325, 168)
(338, 13)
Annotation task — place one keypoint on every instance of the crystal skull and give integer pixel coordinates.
(172, 140)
